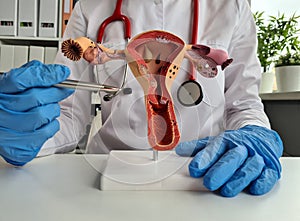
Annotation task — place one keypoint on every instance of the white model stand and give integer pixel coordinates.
(136, 170)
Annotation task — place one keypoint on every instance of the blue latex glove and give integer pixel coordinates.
(29, 108)
(236, 159)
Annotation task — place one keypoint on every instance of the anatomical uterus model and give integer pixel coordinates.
(154, 58)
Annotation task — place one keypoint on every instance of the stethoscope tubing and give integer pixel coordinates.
(118, 16)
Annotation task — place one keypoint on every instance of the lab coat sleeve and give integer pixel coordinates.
(75, 110)
(242, 78)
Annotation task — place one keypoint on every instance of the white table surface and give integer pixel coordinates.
(66, 187)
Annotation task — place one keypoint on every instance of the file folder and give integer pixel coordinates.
(27, 18)
(20, 55)
(48, 18)
(8, 17)
(50, 54)
(66, 13)
(36, 53)
(6, 58)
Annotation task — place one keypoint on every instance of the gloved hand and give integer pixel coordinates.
(29, 108)
(236, 159)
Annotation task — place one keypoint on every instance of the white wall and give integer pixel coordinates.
(272, 7)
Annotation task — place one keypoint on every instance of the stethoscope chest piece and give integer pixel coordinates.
(190, 93)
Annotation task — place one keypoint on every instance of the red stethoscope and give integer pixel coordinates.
(190, 87)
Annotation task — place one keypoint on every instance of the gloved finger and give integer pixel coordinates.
(265, 182)
(30, 120)
(28, 140)
(205, 158)
(35, 74)
(270, 138)
(22, 147)
(31, 63)
(225, 167)
(248, 172)
(33, 97)
(15, 163)
(190, 148)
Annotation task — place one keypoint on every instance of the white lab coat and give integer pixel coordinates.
(230, 100)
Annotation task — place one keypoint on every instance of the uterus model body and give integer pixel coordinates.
(154, 58)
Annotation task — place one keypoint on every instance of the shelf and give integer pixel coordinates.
(20, 38)
(281, 96)
(37, 41)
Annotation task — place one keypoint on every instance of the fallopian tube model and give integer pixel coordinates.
(154, 58)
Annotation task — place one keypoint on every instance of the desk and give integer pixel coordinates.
(66, 187)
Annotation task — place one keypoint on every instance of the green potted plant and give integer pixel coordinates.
(279, 45)
(288, 59)
(267, 49)
(287, 34)
(287, 66)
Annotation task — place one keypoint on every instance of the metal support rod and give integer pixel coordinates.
(155, 155)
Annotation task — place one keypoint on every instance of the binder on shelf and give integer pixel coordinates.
(48, 18)
(8, 17)
(6, 58)
(50, 54)
(36, 53)
(66, 13)
(27, 18)
(20, 55)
